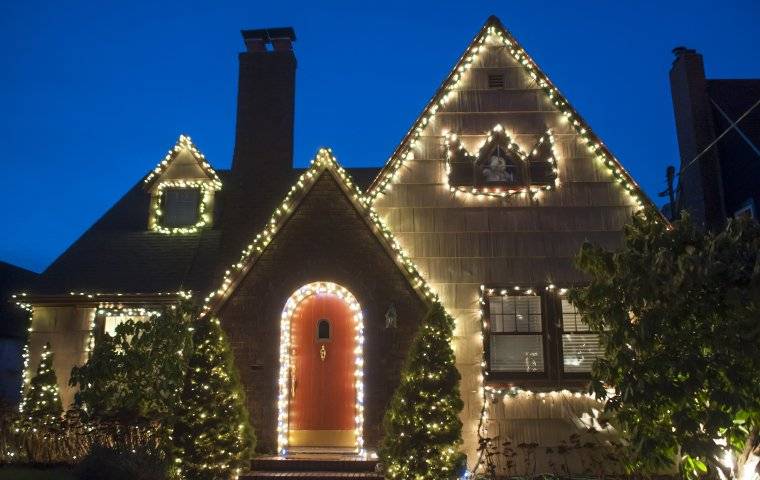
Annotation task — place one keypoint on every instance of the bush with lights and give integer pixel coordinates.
(213, 439)
(41, 406)
(422, 426)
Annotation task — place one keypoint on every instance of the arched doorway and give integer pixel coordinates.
(321, 394)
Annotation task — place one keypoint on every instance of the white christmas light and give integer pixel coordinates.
(283, 398)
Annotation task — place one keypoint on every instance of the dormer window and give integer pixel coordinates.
(500, 168)
(180, 207)
(182, 189)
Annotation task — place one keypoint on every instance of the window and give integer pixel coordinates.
(499, 167)
(516, 342)
(323, 330)
(495, 81)
(580, 346)
(180, 206)
(537, 338)
(110, 322)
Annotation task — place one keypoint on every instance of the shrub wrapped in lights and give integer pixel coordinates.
(213, 439)
(41, 405)
(422, 426)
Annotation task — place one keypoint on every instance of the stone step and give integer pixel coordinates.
(311, 464)
(320, 475)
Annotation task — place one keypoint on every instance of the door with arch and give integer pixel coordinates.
(322, 392)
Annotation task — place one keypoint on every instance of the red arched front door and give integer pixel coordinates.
(322, 394)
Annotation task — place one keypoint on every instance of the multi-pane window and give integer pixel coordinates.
(516, 341)
(539, 337)
(180, 207)
(580, 346)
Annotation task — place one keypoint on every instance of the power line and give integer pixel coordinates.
(730, 127)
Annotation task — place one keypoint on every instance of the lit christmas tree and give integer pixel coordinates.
(422, 426)
(213, 438)
(41, 404)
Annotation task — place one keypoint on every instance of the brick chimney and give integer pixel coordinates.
(263, 153)
(700, 185)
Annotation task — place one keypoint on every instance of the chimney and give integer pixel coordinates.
(700, 185)
(263, 154)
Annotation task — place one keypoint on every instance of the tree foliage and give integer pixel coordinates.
(679, 316)
(212, 436)
(136, 376)
(422, 426)
(41, 405)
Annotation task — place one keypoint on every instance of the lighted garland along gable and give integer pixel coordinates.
(489, 392)
(206, 186)
(319, 289)
(501, 36)
(183, 143)
(455, 147)
(323, 160)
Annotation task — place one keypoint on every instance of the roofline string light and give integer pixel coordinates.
(454, 146)
(184, 142)
(448, 89)
(323, 160)
(283, 399)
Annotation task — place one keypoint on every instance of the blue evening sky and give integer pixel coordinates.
(92, 94)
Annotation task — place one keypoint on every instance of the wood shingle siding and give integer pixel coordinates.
(460, 241)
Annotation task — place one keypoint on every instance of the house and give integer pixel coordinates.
(13, 325)
(718, 126)
(320, 277)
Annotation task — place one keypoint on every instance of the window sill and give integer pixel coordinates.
(501, 381)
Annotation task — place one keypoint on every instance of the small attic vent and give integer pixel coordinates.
(496, 81)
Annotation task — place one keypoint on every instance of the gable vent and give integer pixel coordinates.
(496, 81)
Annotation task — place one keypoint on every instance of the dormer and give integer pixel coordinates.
(182, 188)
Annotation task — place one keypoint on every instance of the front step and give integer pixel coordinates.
(311, 476)
(304, 467)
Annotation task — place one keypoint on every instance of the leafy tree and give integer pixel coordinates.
(422, 426)
(213, 438)
(136, 376)
(679, 315)
(41, 405)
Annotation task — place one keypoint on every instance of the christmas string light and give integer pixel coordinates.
(206, 186)
(283, 399)
(497, 136)
(184, 143)
(323, 160)
(493, 393)
(496, 36)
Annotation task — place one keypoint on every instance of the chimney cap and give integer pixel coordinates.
(269, 34)
(681, 50)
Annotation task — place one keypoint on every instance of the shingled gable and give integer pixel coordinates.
(183, 161)
(323, 164)
(494, 29)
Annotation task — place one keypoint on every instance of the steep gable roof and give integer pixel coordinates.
(323, 164)
(183, 161)
(494, 30)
